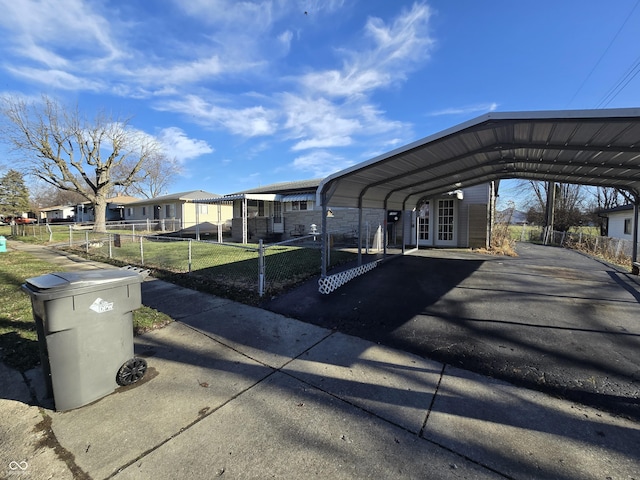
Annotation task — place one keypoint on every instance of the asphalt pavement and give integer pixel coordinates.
(550, 319)
(234, 391)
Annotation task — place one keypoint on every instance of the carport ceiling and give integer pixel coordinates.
(588, 147)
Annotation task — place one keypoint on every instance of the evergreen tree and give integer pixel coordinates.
(14, 196)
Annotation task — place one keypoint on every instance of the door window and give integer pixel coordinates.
(423, 221)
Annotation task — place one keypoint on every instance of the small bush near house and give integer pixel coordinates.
(502, 242)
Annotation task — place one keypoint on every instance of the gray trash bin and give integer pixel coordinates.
(84, 322)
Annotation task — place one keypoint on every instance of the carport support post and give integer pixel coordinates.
(197, 205)
(550, 213)
(325, 237)
(360, 231)
(385, 220)
(634, 249)
(244, 220)
(404, 226)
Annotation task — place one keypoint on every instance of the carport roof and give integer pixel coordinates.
(589, 147)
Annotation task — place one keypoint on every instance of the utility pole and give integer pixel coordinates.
(550, 211)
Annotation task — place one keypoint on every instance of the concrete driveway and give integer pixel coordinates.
(550, 319)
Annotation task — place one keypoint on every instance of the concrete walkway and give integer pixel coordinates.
(234, 391)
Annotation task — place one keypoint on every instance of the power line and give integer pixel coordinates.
(604, 53)
(629, 75)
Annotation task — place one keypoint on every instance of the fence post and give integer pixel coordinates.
(366, 245)
(189, 255)
(70, 235)
(261, 269)
(86, 242)
(619, 248)
(109, 236)
(141, 252)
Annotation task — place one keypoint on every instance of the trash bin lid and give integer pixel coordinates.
(70, 283)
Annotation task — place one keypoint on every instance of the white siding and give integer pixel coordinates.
(616, 224)
(478, 195)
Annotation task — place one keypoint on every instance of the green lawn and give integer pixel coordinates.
(223, 269)
(18, 337)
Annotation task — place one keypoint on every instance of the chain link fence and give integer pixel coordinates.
(614, 250)
(229, 268)
(58, 232)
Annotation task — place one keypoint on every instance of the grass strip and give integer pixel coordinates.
(18, 337)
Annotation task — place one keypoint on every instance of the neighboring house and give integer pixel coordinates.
(288, 210)
(274, 212)
(618, 222)
(179, 211)
(84, 212)
(58, 213)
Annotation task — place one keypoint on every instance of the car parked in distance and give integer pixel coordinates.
(20, 220)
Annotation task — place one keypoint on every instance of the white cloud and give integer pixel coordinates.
(394, 50)
(177, 144)
(247, 122)
(285, 39)
(179, 73)
(320, 163)
(81, 46)
(466, 110)
(319, 123)
(72, 25)
(57, 79)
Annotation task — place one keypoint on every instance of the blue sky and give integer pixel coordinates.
(248, 93)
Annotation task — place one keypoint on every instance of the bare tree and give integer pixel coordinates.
(569, 199)
(46, 195)
(154, 178)
(67, 151)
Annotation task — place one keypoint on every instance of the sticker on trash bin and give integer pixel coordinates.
(101, 306)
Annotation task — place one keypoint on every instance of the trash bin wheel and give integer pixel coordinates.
(132, 371)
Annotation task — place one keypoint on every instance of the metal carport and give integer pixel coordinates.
(588, 147)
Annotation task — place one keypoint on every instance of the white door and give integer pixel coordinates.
(446, 218)
(278, 223)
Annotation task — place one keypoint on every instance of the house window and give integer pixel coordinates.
(627, 226)
(203, 208)
(299, 205)
(144, 211)
(129, 212)
(170, 210)
(255, 208)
